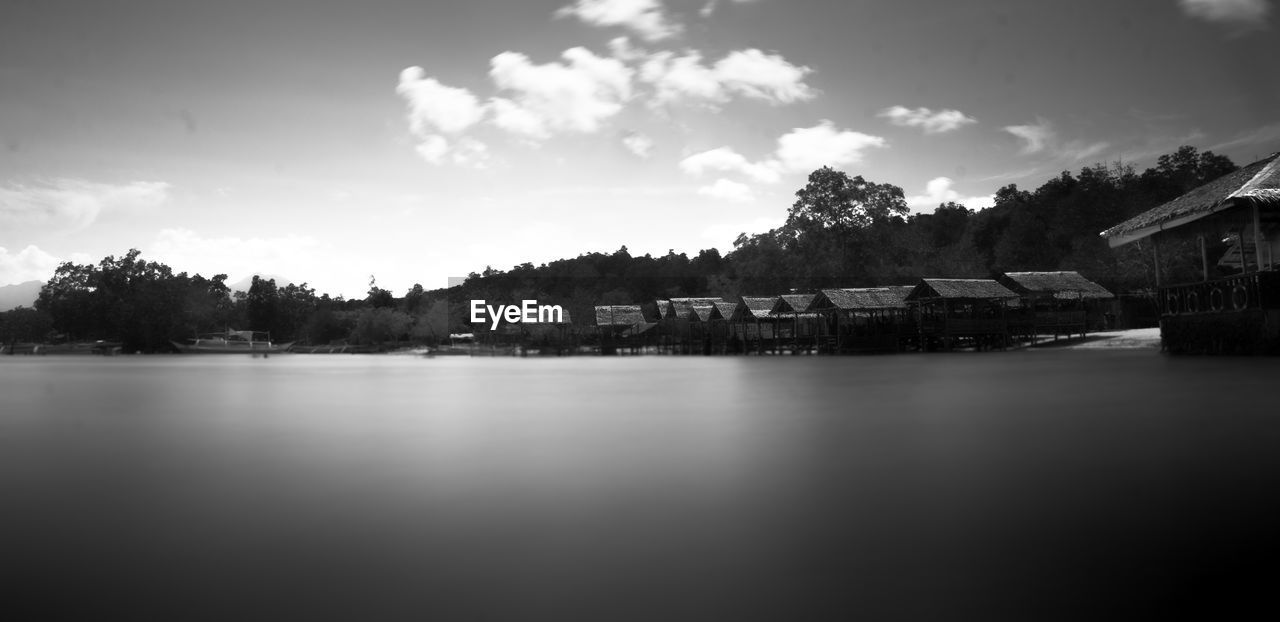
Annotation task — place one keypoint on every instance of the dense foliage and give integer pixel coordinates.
(841, 231)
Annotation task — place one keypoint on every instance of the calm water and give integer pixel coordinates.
(1025, 485)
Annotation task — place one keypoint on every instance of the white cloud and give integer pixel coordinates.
(928, 120)
(74, 204)
(938, 191)
(622, 49)
(471, 153)
(802, 149)
(465, 151)
(805, 149)
(433, 148)
(764, 76)
(681, 77)
(1239, 12)
(1040, 137)
(577, 95)
(28, 264)
(645, 17)
(710, 7)
(726, 159)
(1254, 136)
(728, 190)
(749, 73)
(295, 257)
(638, 143)
(1077, 151)
(436, 107)
(1036, 136)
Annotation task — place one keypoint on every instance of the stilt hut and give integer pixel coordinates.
(665, 332)
(679, 320)
(1053, 303)
(622, 326)
(727, 319)
(758, 323)
(953, 313)
(707, 329)
(865, 318)
(798, 327)
(1214, 251)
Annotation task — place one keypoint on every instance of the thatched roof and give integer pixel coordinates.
(960, 289)
(1258, 182)
(682, 308)
(863, 298)
(726, 309)
(704, 313)
(792, 303)
(618, 315)
(1066, 284)
(757, 307)
(664, 308)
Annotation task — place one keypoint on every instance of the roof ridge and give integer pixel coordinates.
(1248, 186)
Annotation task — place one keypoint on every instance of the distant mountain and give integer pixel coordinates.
(19, 295)
(243, 284)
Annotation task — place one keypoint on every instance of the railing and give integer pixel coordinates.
(1230, 295)
(964, 326)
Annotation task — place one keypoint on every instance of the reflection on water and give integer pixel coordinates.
(1031, 485)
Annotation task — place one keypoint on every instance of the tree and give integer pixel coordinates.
(378, 297)
(380, 325)
(262, 304)
(24, 324)
(833, 200)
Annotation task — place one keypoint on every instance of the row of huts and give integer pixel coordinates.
(933, 314)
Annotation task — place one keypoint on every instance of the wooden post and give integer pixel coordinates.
(1155, 251)
(1204, 260)
(1257, 239)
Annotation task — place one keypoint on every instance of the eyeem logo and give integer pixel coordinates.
(527, 312)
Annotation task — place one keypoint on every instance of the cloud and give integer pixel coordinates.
(748, 73)
(645, 17)
(806, 149)
(728, 190)
(28, 264)
(710, 7)
(436, 107)
(573, 96)
(931, 122)
(1235, 12)
(726, 159)
(764, 76)
(638, 143)
(296, 257)
(1041, 138)
(73, 204)
(1036, 135)
(1266, 134)
(800, 150)
(938, 191)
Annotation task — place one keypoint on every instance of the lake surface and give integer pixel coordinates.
(1022, 485)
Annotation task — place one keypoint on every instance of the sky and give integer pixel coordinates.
(413, 141)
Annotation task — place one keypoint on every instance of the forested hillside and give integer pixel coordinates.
(841, 231)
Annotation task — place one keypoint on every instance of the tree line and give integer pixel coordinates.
(841, 231)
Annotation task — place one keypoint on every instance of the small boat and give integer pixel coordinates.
(233, 342)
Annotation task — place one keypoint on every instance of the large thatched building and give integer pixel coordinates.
(962, 313)
(1214, 251)
(865, 318)
(1055, 303)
